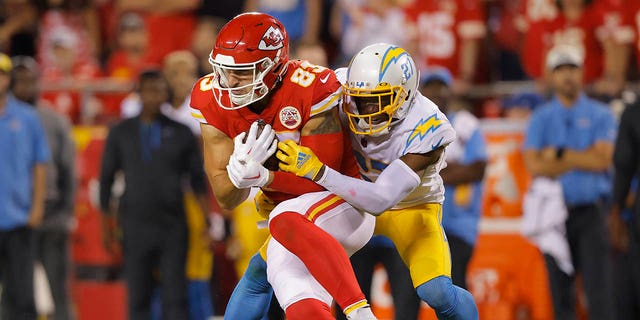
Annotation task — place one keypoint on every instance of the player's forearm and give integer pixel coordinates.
(393, 185)
(227, 195)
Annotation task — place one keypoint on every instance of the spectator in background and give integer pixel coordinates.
(571, 138)
(170, 24)
(22, 193)
(532, 15)
(625, 231)
(155, 154)
(466, 161)
(132, 52)
(312, 53)
(66, 71)
(447, 33)
(592, 29)
(52, 237)
(520, 105)
(506, 21)
(18, 27)
(366, 22)
(301, 18)
(180, 69)
(212, 15)
(77, 19)
(632, 18)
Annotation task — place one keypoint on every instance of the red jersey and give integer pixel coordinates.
(581, 33)
(306, 90)
(441, 25)
(121, 67)
(69, 101)
(632, 19)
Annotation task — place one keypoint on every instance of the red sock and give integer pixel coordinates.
(321, 254)
(309, 309)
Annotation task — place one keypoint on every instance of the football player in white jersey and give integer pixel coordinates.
(399, 137)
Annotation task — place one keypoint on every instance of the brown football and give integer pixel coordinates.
(272, 162)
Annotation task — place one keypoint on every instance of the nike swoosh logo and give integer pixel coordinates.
(323, 80)
(253, 178)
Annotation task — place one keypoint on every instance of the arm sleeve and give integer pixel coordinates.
(533, 136)
(606, 131)
(110, 165)
(625, 158)
(394, 183)
(40, 144)
(476, 148)
(66, 168)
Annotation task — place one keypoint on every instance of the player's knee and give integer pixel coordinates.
(439, 293)
(256, 273)
(308, 309)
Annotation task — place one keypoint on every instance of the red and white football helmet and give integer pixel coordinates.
(250, 44)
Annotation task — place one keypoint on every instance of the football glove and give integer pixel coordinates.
(247, 173)
(258, 147)
(298, 160)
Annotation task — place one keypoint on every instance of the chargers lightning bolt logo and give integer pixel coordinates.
(390, 56)
(423, 127)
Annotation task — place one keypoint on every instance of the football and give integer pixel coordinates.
(272, 162)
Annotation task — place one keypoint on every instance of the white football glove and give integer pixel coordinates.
(247, 173)
(259, 148)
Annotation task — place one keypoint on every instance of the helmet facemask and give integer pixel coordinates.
(371, 111)
(244, 94)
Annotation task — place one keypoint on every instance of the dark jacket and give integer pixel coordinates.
(154, 187)
(627, 159)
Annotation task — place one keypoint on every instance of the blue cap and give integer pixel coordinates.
(528, 100)
(436, 74)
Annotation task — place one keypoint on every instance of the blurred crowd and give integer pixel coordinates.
(89, 51)
(97, 62)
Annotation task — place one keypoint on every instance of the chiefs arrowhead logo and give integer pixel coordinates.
(272, 39)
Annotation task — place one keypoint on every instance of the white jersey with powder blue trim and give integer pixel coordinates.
(424, 129)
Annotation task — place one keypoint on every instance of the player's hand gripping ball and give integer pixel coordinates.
(263, 149)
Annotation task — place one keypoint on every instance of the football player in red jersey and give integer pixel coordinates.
(253, 79)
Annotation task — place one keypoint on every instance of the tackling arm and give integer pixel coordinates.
(394, 183)
(217, 148)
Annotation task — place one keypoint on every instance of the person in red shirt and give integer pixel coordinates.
(447, 34)
(588, 28)
(66, 73)
(253, 79)
(132, 54)
(170, 24)
(632, 20)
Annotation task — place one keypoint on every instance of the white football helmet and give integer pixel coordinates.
(384, 75)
